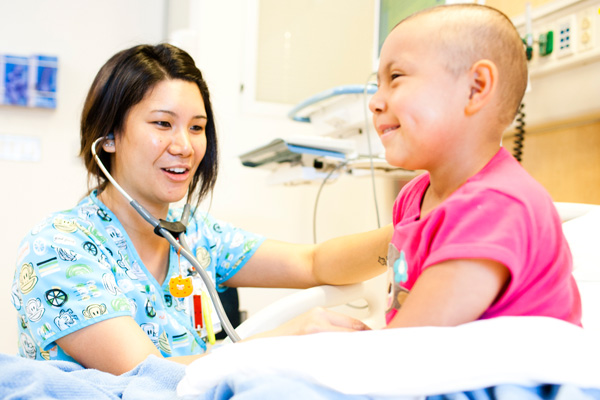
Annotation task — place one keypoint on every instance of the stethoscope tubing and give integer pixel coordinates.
(181, 246)
(212, 292)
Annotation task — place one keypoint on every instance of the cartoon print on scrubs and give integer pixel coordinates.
(27, 346)
(15, 298)
(27, 278)
(396, 276)
(203, 257)
(78, 267)
(163, 344)
(34, 309)
(65, 319)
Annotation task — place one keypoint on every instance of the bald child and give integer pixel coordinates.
(475, 236)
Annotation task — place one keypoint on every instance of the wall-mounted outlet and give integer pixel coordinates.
(546, 43)
(566, 36)
(587, 29)
(20, 148)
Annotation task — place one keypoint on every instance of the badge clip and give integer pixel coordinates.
(178, 285)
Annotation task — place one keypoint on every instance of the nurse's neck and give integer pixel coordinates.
(127, 215)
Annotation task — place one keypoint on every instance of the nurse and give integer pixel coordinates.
(92, 282)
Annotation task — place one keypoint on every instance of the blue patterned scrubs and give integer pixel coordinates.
(79, 267)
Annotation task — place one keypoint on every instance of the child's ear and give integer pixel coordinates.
(483, 77)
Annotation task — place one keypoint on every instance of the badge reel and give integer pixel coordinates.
(204, 317)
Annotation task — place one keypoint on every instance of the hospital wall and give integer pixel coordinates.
(84, 34)
(562, 107)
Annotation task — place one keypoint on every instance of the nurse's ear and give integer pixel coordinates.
(109, 144)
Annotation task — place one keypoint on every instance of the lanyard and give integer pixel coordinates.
(200, 303)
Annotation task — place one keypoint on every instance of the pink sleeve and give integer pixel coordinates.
(495, 228)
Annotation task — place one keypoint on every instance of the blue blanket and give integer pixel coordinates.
(24, 379)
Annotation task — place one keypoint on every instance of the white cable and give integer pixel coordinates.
(106, 173)
(367, 124)
(339, 166)
(367, 132)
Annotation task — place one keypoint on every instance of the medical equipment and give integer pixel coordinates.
(174, 233)
(341, 125)
(343, 141)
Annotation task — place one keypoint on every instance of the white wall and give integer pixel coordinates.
(83, 34)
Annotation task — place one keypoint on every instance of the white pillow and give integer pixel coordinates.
(583, 236)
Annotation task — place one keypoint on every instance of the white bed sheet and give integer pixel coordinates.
(412, 362)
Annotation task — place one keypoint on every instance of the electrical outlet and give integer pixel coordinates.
(546, 43)
(587, 26)
(565, 41)
(19, 148)
(565, 37)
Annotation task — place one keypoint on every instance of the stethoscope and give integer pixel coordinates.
(173, 231)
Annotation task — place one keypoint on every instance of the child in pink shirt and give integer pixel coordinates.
(475, 236)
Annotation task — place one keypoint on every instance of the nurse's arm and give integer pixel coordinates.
(115, 345)
(118, 345)
(343, 260)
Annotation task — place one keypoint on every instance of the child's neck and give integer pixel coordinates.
(445, 181)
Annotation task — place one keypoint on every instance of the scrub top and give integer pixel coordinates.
(79, 267)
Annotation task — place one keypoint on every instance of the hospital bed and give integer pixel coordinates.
(510, 353)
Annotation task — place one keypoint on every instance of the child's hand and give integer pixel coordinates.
(315, 321)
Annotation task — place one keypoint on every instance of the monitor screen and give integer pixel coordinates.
(390, 12)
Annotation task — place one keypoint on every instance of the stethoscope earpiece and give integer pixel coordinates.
(110, 140)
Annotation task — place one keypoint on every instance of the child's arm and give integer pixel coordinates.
(452, 292)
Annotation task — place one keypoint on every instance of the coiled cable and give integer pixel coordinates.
(520, 135)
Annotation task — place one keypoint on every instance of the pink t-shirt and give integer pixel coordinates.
(502, 214)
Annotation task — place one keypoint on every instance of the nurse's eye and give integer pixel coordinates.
(163, 124)
(197, 128)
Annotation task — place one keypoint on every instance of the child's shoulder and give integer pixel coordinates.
(504, 187)
(506, 176)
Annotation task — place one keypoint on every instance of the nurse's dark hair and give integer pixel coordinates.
(122, 83)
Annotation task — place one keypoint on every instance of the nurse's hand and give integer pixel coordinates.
(315, 321)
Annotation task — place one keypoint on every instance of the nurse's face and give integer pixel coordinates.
(162, 143)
